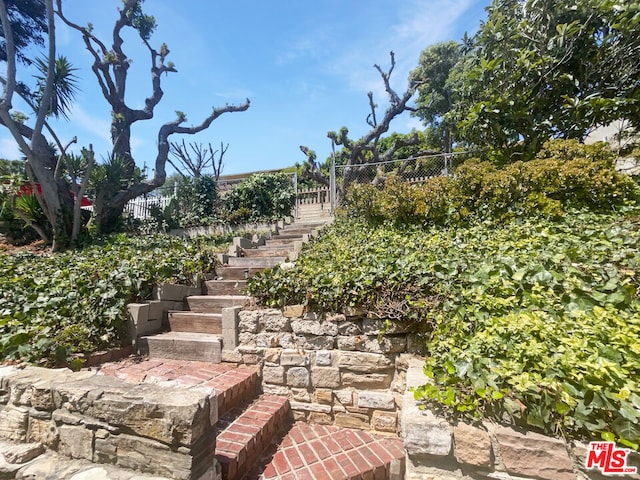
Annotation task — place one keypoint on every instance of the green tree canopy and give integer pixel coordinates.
(540, 69)
(435, 94)
(28, 20)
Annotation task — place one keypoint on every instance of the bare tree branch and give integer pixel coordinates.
(395, 99)
(165, 132)
(218, 166)
(371, 118)
(198, 161)
(359, 155)
(99, 68)
(311, 169)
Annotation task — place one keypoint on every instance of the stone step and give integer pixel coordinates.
(215, 303)
(237, 273)
(267, 251)
(319, 451)
(182, 346)
(234, 385)
(245, 435)
(195, 322)
(61, 467)
(263, 263)
(296, 230)
(305, 207)
(226, 287)
(314, 217)
(306, 224)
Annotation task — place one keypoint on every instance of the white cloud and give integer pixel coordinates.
(418, 27)
(97, 125)
(9, 149)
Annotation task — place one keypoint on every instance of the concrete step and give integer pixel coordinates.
(313, 206)
(237, 273)
(285, 236)
(215, 303)
(268, 251)
(195, 322)
(226, 287)
(277, 241)
(182, 346)
(319, 217)
(296, 230)
(246, 262)
(301, 229)
(245, 435)
(306, 223)
(319, 451)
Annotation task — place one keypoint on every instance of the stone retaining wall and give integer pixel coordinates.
(336, 369)
(341, 369)
(438, 450)
(159, 430)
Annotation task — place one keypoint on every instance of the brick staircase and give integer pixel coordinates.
(257, 438)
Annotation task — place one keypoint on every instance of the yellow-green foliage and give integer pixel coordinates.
(566, 174)
(534, 322)
(53, 306)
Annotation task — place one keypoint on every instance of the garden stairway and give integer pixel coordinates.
(256, 436)
(196, 334)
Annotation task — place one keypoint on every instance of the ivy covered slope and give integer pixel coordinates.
(530, 316)
(52, 306)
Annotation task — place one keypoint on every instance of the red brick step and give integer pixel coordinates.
(246, 436)
(329, 452)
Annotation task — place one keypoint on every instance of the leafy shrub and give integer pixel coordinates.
(574, 176)
(14, 204)
(52, 306)
(196, 201)
(565, 150)
(533, 321)
(264, 196)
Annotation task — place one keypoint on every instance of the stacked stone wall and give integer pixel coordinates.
(158, 430)
(356, 371)
(344, 369)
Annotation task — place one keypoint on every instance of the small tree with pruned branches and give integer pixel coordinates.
(110, 67)
(364, 155)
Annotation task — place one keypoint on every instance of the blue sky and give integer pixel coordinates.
(306, 66)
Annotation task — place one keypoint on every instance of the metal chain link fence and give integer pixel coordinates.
(411, 170)
(414, 170)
